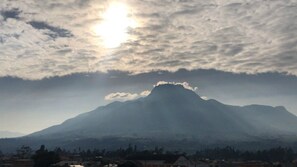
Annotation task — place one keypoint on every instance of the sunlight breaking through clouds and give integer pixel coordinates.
(53, 38)
(114, 28)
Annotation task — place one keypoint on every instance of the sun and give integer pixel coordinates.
(113, 29)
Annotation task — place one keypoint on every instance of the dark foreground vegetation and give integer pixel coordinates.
(124, 157)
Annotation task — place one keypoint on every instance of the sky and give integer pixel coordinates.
(62, 58)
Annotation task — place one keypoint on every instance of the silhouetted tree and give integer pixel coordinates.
(24, 152)
(158, 150)
(44, 158)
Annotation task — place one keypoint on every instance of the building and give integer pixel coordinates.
(160, 161)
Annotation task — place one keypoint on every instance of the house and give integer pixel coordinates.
(66, 164)
(161, 160)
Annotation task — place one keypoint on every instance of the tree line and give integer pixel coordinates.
(45, 157)
(279, 154)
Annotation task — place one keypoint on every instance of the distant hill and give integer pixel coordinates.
(7, 134)
(172, 116)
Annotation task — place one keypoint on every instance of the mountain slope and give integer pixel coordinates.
(173, 112)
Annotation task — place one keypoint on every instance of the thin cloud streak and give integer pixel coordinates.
(124, 96)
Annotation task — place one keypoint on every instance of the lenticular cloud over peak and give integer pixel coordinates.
(44, 39)
(186, 85)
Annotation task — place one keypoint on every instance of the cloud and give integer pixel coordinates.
(54, 32)
(236, 36)
(124, 96)
(184, 84)
(145, 93)
(121, 96)
(13, 14)
(204, 97)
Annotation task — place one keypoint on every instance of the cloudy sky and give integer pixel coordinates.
(62, 58)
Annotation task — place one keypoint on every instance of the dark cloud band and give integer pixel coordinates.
(55, 32)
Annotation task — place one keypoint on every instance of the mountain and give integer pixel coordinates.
(8, 134)
(173, 111)
(170, 114)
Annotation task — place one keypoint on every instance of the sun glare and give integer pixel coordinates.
(114, 26)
